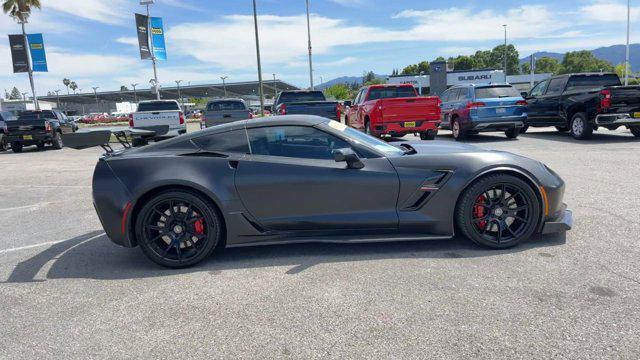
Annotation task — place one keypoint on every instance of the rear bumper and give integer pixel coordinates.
(497, 123)
(561, 223)
(397, 128)
(36, 138)
(617, 119)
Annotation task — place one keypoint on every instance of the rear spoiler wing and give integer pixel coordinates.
(92, 138)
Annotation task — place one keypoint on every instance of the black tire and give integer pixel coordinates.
(428, 135)
(346, 120)
(40, 145)
(367, 128)
(167, 228)
(635, 130)
(57, 141)
(580, 127)
(562, 128)
(512, 133)
(3, 144)
(524, 129)
(484, 215)
(457, 131)
(16, 147)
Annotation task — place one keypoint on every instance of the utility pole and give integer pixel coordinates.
(156, 85)
(95, 93)
(533, 71)
(58, 98)
(626, 62)
(179, 97)
(505, 52)
(24, 96)
(224, 84)
(255, 24)
(275, 88)
(135, 93)
(22, 20)
(309, 38)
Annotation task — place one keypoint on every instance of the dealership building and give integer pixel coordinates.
(442, 77)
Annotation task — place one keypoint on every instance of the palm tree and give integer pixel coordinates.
(19, 9)
(73, 86)
(66, 83)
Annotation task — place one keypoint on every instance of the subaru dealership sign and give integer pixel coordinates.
(475, 77)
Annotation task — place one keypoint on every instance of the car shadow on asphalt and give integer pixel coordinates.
(598, 138)
(91, 256)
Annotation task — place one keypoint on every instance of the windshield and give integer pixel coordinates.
(390, 92)
(366, 140)
(496, 92)
(158, 106)
(226, 106)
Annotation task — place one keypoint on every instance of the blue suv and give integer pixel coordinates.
(474, 108)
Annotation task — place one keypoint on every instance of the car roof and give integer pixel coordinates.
(225, 99)
(479, 85)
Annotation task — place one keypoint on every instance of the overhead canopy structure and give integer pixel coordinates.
(237, 89)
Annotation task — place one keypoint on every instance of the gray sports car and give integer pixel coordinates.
(290, 179)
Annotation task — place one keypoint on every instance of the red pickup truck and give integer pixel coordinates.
(394, 110)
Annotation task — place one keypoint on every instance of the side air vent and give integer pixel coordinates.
(427, 189)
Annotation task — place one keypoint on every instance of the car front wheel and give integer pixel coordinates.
(178, 228)
(498, 211)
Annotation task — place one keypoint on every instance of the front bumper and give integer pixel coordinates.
(563, 222)
(617, 119)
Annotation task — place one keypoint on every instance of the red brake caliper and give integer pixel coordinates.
(198, 225)
(478, 211)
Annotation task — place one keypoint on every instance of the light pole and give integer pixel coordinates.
(135, 93)
(275, 88)
(255, 25)
(95, 93)
(626, 63)
(80, 92)
(24, 96)
(309, 38)
(23, 20)
(179, 97)
(505, 52)
(224, 84)
(58, 98)
(156, 86)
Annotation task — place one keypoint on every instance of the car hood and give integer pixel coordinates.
(439, 147)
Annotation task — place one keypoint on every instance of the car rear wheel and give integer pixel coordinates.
(580, 127)
(3, 144)
(367, 128)
(57, 141)
(178, 228)
(40, 145)
(498, 211)
(635, 130)
(428, 135)
(456, 129)
(16, 147)
(512, 133)
(524, 129)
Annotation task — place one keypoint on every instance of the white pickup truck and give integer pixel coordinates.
(158, 113)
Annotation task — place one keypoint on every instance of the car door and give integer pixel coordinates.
(550, 101)
(539, 104)
(290, 182)
(352, 114)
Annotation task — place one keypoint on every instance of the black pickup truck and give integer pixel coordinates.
(306, 102)
(38, 128)
(582, 103)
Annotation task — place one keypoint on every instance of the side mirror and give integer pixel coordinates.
(524, 94)
(347, 155)
(346, 103)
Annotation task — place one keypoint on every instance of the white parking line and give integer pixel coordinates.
(43, 244)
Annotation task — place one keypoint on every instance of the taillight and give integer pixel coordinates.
(250, 115)
(605, 99)
(181, 118)
(283, 109)
(522, 103)
(473, 105)
(47, 126)
(130, 120)
(338, 111)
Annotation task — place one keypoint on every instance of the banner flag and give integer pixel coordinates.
(157, 39)
(143, 36)
(18, 54)
(38, 55)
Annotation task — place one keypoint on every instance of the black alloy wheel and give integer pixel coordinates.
(498, 211)
(178, 228)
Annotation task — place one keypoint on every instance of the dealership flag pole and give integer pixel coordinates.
(156, 85)
(255, 23)
(626, 63)
(309, 37)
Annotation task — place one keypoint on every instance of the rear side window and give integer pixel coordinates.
(463, 94)
(44, 114)
(585, 82)
(391, 92)
(234, 141)
(556, 86)
(496, 92)
(226, 106)
(304, 96)
(158, 106)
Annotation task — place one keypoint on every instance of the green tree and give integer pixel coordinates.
(496, 59)
(19, 9)
(338, 92)
(15, 94)
(544, 65)
(463, 62)
(73, 86)
(66, 83)
(583, 61)
(410, 70)
(439, 58)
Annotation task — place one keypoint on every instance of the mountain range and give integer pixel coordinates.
(614, 54)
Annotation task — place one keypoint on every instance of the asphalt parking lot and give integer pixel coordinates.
(67, 292)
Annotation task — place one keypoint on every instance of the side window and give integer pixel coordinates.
(363, 95)
(294, 141)
(358, 97)
(556, 86)
(539, 89)
(463, 95)
(445, 96)
(234, 141)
